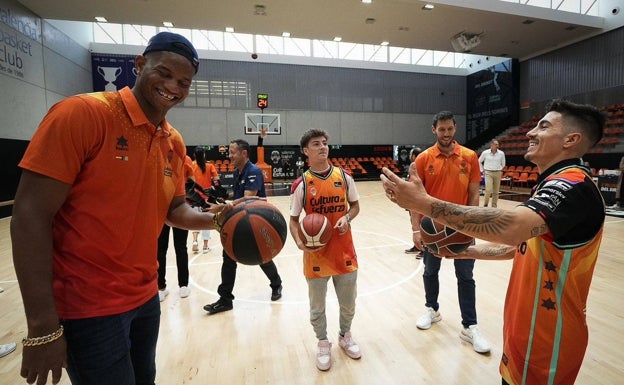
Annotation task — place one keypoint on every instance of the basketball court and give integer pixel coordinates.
(264, 342)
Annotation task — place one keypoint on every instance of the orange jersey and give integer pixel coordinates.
(448, 177)
(123, 174)
(205, 179)
(545, 334)
(327, 195)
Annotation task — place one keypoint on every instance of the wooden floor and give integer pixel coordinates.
(264, 342)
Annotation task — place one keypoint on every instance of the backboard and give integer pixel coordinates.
(254, 123)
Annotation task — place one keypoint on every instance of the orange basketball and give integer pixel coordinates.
(443, 240)
(315, 230)
(253, 232)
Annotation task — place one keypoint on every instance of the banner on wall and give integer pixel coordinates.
(493, 99)
(112, 72)
(283, 160)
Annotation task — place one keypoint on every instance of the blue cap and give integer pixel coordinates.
(172, 42)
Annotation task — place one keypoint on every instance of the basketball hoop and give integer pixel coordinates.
(263, 132)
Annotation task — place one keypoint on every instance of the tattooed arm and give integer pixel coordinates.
(490, 251)
(509, 227)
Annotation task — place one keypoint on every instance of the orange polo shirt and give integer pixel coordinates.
(447, 177)
(123, 174)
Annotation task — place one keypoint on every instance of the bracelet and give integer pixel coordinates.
(37, 341)
(416, 231)
(215, 221)
(348, 218)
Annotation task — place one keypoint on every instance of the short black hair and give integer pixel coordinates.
(586, 117)
(443, 115)
(242, 144)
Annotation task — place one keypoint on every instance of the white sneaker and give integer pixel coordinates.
(206, 249)
(195, 247)
(349, 346)
(430, 316)
(323, 357)
(7, 349)
(479, 343)
(162, 294)
(185, 291)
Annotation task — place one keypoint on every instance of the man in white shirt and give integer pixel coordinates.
(492, 162)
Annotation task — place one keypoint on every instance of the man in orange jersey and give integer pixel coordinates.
(554, 239)
(329, 191)
(100, 176)
(449, 171)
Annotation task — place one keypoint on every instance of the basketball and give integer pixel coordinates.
(253, 232)
(315, 230)
(443, 240)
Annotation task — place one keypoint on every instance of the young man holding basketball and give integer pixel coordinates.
(449, 172)
(553, 238)
(100, 176)
(329, 191)
(248, 182)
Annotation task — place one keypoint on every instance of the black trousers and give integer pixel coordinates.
(228, 276)
(179, 244)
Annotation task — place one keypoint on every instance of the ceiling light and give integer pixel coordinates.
(337, 38)
(384, 43)
(367, 1)
(370, 20)
(229, 29)
(285, 34)
(168, 24)
(101, 19)
(427, 7)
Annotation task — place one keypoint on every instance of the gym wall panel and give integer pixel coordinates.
(73, 78)
(298, 122)
(590, 65)
(21, 109)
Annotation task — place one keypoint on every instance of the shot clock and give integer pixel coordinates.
(263, 101)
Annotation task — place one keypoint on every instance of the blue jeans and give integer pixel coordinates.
(465, 286)
(118, 349)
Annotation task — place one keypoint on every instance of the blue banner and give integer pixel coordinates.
(112, 72)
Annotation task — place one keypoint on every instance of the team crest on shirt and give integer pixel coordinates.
(168, 172)
(463, 167)
(431, 170)
(122, 144)
(313, 191)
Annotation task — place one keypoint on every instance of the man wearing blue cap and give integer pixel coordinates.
(100, 177)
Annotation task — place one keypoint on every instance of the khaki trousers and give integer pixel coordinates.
(492, 186)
